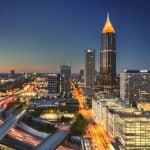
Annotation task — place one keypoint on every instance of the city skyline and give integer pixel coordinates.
(39, 37)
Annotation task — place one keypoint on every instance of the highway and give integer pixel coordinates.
(18, 133)
(4, 128)
(100, 139)
(14, 132)
(52, 141)
(24, 137)
(5, 101)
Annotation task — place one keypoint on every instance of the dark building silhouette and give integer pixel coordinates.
(81, 75)
(66, 71)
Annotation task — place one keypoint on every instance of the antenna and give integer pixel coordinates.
(108, 16)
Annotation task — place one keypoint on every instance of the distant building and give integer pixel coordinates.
(26, 75)
(66, 71)
(12, 74)
(81, 75)
(89, 68)
(55, 84)
(89, 92)
(135, 86)
(108, 57)
(12, 71)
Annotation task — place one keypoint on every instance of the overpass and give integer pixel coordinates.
(10, 122)
(52, 141)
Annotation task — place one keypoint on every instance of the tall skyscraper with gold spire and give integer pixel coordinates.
(108, 57)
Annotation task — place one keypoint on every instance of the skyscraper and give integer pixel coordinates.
(108, 57)
(81, 75)
(89, 68)
(66, 71)
(55, 84)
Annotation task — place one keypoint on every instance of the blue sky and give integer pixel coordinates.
(40, 35)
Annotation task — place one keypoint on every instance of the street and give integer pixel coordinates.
(100, 139)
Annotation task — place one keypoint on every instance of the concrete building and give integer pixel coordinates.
(89, 68)
(100, 110)
(135, 86)
(55, 84)
(134, 132)
(66, 71)
(129, 126)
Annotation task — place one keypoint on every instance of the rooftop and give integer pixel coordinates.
(108, 28)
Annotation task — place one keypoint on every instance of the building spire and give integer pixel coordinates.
(108, 26)
(107, 15)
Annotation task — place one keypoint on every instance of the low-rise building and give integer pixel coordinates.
(129, 126)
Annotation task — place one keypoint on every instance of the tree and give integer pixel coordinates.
(78, 127)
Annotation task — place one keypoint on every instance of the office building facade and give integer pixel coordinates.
(135, 86)
(130, 127)
(89, 68)
(66, 71)
(108, 57)
(81, 74)
(55, 84)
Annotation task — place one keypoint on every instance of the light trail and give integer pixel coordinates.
(100, 139)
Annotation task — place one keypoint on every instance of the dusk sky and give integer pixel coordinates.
(40, 35)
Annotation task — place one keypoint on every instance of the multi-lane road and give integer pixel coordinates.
(14, 132)
(100, 139)
(4, 128)
(52, 141)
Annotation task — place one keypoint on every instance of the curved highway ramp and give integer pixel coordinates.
(52, 141)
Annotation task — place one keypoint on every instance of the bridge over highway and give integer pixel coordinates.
(52, 141)
(10, 122)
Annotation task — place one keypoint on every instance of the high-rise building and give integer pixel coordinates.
(66, 71)
(89, 68)
(135, 86)
(81, 74)
(12, 74)
(55, 84)
(108, 57)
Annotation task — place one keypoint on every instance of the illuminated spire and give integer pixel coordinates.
(108, 16)
(108, 26)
